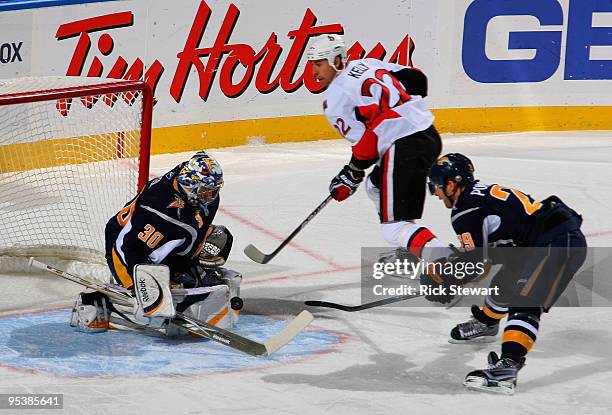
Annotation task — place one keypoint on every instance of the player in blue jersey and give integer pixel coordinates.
(166, 232)
(167, 223)
(492, 216)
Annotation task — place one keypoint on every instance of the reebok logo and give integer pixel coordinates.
(142, 287)
(221, 339)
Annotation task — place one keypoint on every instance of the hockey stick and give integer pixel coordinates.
(364, 306)
(395, 299)
(194, 326)
(256, 255)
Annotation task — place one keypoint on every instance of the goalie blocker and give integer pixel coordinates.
(156, 303)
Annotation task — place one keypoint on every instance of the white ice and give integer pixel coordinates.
(393, 360)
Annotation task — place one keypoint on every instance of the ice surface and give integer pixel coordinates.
(391, 360)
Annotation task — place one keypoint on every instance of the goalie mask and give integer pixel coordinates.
(201, 178)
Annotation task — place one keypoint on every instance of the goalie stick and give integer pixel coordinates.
(256, 255)
(194, 326)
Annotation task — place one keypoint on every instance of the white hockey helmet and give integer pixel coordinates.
(327, 47)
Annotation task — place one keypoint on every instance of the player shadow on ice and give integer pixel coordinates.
(59, 340)
(557, 345)
(395, 372)
(272, 306)
(391, 372)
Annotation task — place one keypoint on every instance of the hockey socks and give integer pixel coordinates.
(520, 332)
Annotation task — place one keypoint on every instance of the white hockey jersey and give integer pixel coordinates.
(371, 108)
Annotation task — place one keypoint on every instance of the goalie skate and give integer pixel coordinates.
(91, 313)
(499, 376)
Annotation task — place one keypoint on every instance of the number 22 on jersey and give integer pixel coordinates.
(502, 193)
(385, 93)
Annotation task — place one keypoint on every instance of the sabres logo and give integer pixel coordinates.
(178, 203)
(213, 167)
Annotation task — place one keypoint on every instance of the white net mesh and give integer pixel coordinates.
(66, 166)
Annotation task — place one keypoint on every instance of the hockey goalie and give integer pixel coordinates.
(163, 249)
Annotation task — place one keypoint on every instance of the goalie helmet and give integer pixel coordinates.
(327, 47)
(453, 166)
(200, 178)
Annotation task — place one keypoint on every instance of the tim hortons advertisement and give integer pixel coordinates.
(205, 61)
(215, 62)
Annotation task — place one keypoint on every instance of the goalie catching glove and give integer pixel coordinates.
(217, 247)
(346, 182)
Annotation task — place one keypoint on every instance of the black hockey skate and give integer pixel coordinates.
(498, 377)
(473, 331)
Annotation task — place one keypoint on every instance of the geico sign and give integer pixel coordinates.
(582, 35)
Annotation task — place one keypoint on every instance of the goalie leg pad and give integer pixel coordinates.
(91, 313)
(153, 305)
(214, 306)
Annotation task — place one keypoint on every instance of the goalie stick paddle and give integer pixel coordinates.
(256, 255)
(197, 327)
(364, 306)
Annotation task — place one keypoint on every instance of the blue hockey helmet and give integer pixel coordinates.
(200, 178)
(452, 166)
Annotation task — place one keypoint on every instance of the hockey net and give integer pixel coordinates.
(73, 151)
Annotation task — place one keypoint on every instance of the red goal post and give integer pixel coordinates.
(73, 151)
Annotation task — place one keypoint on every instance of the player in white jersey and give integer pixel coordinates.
(379, 108)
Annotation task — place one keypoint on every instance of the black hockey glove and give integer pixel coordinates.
(458, 268)
(437, 292)
(413, 80)
(346, 182)
(439, 276)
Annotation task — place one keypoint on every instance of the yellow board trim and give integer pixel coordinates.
(508, 119)
(316, 127)
(60, 151)
(19, 157)
(240, 132)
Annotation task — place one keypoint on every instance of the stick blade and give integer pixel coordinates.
(256, 255)
(289, 332)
